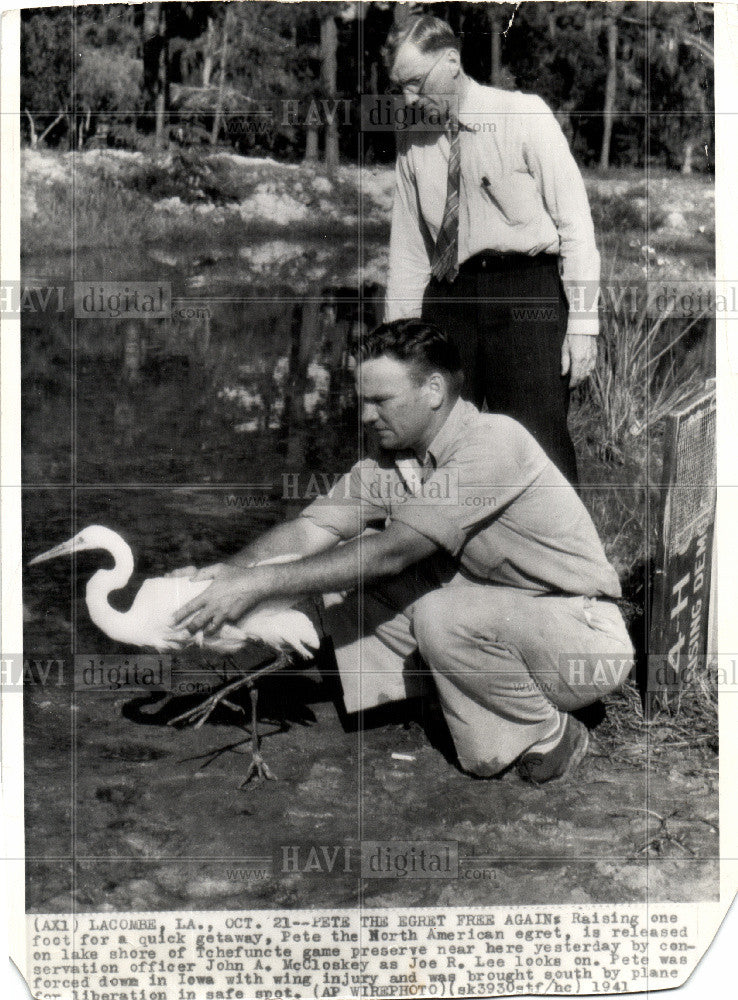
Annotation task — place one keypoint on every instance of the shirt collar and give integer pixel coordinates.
(461, 412)
(471, 104)
(476, 105)
(411, 471)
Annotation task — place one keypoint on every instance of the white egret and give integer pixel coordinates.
(147, 622)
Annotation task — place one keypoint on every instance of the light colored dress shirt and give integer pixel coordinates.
(532, 200)
(489, 497)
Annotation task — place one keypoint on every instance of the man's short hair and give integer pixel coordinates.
(428, 33)
(422, 345)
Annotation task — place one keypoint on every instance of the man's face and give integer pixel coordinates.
(428, 80)
(393, 406)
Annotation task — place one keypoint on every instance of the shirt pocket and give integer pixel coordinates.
(514, 195)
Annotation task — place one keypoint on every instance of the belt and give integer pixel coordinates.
(496, 260)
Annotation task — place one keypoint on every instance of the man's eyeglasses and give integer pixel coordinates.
(415, 86)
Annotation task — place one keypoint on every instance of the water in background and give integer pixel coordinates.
(176, 433)
(238, 380)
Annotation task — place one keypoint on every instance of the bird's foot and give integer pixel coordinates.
(258, 770)
(199, 715)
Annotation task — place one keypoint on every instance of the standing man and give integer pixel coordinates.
(485, 211)
(486, 563)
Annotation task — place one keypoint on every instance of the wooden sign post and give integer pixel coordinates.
(678, 630)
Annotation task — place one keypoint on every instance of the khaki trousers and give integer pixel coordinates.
(503, 660)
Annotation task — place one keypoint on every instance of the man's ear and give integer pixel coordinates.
(454, 61)
(437, 390)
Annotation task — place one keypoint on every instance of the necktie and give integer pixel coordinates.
(411, 472)
(445, 264)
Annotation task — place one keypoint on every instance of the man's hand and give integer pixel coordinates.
(232, 593)
(578, 356)
(192, 573)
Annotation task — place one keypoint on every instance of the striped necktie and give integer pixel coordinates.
(445, 264)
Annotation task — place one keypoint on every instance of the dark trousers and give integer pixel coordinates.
(507, 316)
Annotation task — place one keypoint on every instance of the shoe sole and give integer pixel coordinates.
(580, 752)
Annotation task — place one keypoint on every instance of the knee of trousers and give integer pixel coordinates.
(434, 624)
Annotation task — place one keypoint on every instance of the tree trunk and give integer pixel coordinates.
(84, 128)
(155, 47)
(328, 73)
(131, 351)
(688, 156)
(611, 84)
(305, 339)
(312, 153)
(48, 128)
(162, 80)
(402, 11)
(221, 79)
(495, 48)
(374, 79)
(208, 53)
(32, 133)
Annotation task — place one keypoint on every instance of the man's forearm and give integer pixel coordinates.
(367, 558)
(237, 589)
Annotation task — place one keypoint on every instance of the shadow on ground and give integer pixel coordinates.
(156, 819)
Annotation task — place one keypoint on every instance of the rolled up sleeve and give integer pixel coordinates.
(351, 504)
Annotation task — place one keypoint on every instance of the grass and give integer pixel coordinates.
(190, 177)
(690, 723)
(179, 198)
(645, 371)
(638, 379)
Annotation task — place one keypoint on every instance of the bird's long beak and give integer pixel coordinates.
(65, 549)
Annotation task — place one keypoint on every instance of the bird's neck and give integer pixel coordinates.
(103, 583)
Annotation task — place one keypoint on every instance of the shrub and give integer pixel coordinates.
(629, 211)
(637, 381)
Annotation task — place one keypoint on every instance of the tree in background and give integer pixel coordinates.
(682, 84)
(328, 72)
(202, 72)
(46, 71)
(223, 71)
(320, 24)
(613, 12)
(154, 20)
(108, 70)
(108, 82)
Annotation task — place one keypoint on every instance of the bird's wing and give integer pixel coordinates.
(280, 627)
(274, 623)
(151, 613)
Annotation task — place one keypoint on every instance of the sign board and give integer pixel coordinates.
(679, 624)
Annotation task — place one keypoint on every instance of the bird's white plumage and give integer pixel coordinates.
(147, 622)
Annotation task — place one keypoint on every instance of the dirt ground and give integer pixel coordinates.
(156, 821)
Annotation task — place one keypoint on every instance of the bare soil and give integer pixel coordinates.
(154, 817)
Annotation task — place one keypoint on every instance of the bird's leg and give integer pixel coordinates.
(258, 768)
(200, 713)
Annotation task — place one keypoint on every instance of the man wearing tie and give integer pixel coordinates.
(487, 212)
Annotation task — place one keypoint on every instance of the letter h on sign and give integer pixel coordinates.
(678, 630)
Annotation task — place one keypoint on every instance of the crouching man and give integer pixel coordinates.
(469, 548)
